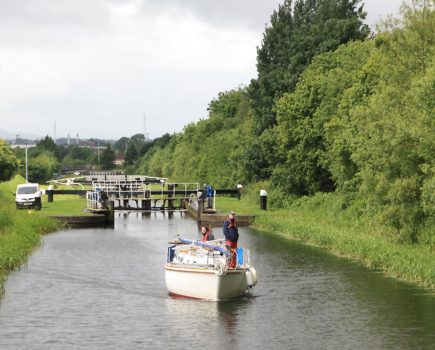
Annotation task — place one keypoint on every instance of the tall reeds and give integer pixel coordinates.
(323, 220)
(315, 222)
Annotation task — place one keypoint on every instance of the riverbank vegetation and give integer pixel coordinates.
(339, 127)
(20, 230)
(319, 220)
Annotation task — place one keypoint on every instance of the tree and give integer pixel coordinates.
(162, 141)
(380, 141)
(410, 40)
(81, 153)
(78, 157)
(42, 167)
(295, 36)
(8, 162)
(107, 158)
(146, 146)
(131, 155)
(138, 140)
(226, 104)
(47, 144)
(121, 144)
(302, 116)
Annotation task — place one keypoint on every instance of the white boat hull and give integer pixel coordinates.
(203, 283)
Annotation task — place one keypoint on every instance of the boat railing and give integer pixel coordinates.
(243, 255)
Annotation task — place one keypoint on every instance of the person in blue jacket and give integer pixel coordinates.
(209, 194)
(231, 233)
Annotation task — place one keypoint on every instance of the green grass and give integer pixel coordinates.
(240, 207)
(319, 221)
(65, 205)
(20, 230)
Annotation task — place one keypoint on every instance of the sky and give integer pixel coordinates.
(113, 68)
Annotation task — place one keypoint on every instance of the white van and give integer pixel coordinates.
(28, 196)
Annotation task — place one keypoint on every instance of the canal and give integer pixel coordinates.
(105, 289)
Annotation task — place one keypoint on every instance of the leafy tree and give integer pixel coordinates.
(78, 157)
(81, 153)
(146, 146)
(293, 39)
(47, 144)
(295, 36)
(138, 140)
(162, 141)
(42, 167)
(121, 144)
(211, 150)
(301, 146)
(385, 124)
(8, 162)
(107, 158)
(410, 39)
(132, 154)
(226, 104)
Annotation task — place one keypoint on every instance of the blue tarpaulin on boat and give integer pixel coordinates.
(240, 256)
(206, 245)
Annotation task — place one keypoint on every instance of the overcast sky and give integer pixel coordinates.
(96, 67)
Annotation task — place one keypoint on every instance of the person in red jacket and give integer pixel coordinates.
(231, 233)
(207, 235)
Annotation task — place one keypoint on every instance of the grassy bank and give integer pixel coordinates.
(320, 221)
(69, 205)
(20, 230)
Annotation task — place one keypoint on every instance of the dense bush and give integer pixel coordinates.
(42, 167)
(8, 162)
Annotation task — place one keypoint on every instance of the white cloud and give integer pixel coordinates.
(30, 74)
(95, 67)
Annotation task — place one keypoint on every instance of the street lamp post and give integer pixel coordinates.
(27, 172)
(98, 154)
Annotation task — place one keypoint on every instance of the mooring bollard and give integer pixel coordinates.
(110, 214)
(239, 188)
(263, 200)
(171, 188)
(49, 193)
(200, 209)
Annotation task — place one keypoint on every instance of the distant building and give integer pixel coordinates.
(119, 158)
(23, 145)
(87, 143)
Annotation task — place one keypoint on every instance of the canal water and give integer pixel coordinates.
(105, 289)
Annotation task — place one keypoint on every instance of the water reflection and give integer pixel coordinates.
(104, 289)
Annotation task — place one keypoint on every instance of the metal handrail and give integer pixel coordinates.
(195, 185)
(129, 188)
